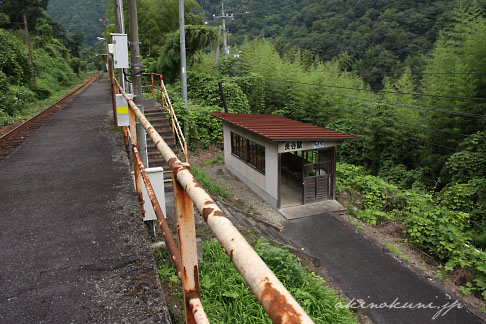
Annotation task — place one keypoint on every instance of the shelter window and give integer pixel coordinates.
(248, 151)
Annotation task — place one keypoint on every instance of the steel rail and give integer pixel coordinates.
(169, 240)
(272, 295)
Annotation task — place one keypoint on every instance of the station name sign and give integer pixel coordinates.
(293, 146)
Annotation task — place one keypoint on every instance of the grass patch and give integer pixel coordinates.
(440, 274)
(396, 251)
(218, 159)
(171, 286)
(204, 180)
(227, 298)
(357, 224)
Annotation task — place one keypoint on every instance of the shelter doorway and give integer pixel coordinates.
(306, 176)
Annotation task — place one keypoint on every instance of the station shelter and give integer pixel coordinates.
(286, 162)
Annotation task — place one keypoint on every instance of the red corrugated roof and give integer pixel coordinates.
(279, 128)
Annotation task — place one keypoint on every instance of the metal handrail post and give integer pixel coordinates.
(113, 86)
(162, 92)
(153, 86)
(136, 168)
(125, 137)
(187, 245)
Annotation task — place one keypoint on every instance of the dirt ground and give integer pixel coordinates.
(242, 197)
(4, 130)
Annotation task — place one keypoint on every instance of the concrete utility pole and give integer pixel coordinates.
(217, 50)
(27, 39)
(117, 16)
(106, 39)
(137, 76)
(224, 17)
(182, 39)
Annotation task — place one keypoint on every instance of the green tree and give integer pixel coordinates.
(16, 9)
(455, 73)
(197, 38)
(157, 18)
(76, 43)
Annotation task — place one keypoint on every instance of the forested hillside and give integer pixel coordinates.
(377, 38)
(79, 16)
(58, 62)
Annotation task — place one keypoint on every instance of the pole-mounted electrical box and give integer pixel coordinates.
(122, 110)
(120, 51)
(111, 48)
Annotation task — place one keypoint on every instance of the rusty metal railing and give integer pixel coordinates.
(166, 103)
(273, 296)
(166, 233)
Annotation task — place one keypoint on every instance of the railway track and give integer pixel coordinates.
(16, 136)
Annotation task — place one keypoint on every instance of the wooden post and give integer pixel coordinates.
(27, 39)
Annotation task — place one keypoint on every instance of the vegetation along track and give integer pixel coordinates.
(16, 136)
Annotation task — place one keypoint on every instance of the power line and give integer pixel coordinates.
(480, 73)
(409, 137)
(387, 91)
(414, 125)
(405, 123)
(449, 112)
(410, 124)
(259, 10)
(354, 122)
(395, 71)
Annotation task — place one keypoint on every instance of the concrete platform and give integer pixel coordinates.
(72, 246)
(322, 207)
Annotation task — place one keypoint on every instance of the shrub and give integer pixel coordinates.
(373, 216)
(14, 64)
(442, 226)
(434, 228)
(376, 197)
(460, 197)
(400, 176)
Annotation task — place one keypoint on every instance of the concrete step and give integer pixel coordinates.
(167, 138)
(156, 120)
(154, 113)
(163, 131)
(159, 162)
(172, 144)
